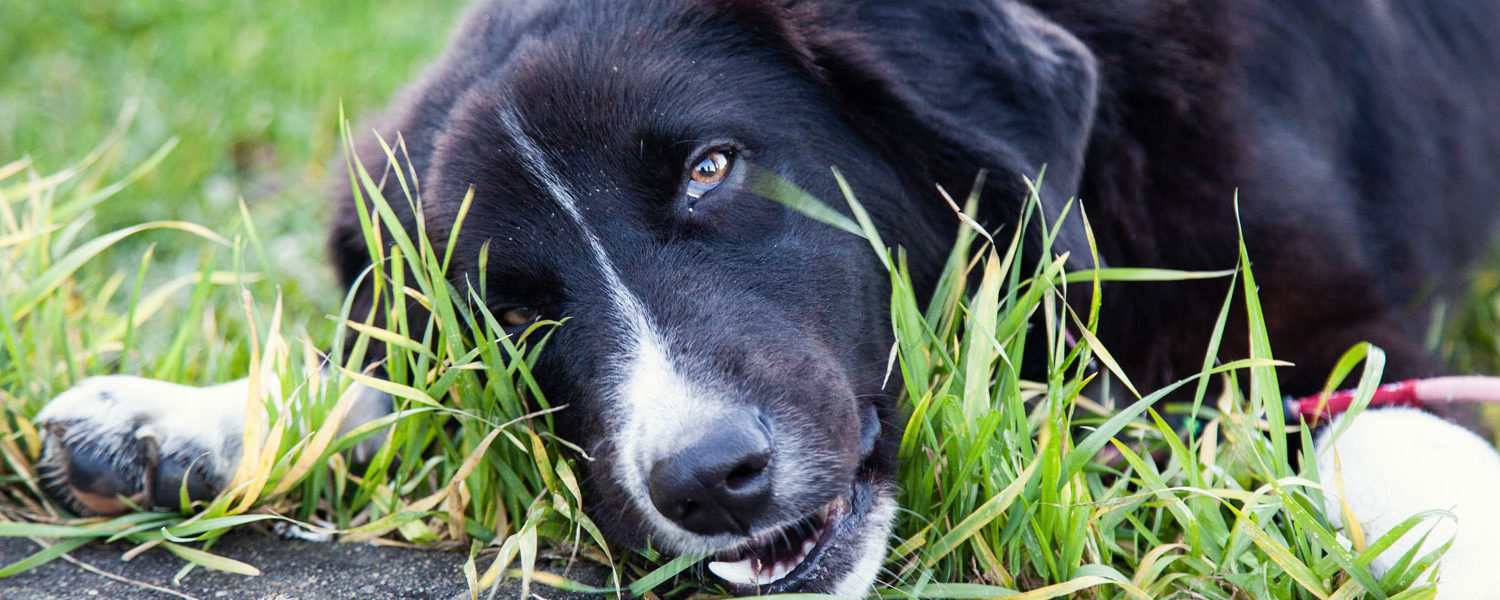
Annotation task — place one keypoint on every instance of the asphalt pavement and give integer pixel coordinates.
(290, 570)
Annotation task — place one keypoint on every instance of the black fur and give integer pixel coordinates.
(1359, 137)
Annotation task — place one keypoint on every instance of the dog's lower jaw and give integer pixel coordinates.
(844, 560)
(872, 549)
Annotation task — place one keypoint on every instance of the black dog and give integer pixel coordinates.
(723, 357)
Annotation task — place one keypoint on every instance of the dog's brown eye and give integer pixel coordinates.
(520, 315)
(708, 172)
(711, 168)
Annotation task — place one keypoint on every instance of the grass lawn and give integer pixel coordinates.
(161, 173)
(249, 91)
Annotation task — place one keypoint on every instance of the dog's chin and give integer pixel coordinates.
(836, 549)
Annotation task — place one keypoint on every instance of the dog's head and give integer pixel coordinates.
(723, 357)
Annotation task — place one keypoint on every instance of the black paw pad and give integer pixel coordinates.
(110, 473)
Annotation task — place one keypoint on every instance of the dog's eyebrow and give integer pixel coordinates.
(630, 308)
(535, 161)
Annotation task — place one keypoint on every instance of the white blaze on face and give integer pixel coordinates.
(659, 408)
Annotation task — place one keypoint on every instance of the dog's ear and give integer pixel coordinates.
(952, 87)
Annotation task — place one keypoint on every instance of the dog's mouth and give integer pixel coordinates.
(840, 540)
(782, 553)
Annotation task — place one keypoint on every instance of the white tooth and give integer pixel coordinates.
(807, 546)
(740, 572)
(777, 572)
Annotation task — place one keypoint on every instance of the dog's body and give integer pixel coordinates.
(723, 357)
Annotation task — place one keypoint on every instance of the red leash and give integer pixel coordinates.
(1419, 393)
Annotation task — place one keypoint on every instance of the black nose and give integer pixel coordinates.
(719, 483)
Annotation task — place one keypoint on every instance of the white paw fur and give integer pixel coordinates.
(130, 436)
(205, 422)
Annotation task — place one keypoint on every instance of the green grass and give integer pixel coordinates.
(1002, 490)
(1001, 480)
(250, 90)
(235, 127)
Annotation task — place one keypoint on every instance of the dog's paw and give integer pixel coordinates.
(116, 441)
(1393, 463)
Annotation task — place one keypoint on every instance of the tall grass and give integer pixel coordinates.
(1009, 488)
(1003, 484)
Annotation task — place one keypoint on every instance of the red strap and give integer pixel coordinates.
(1315, 408)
